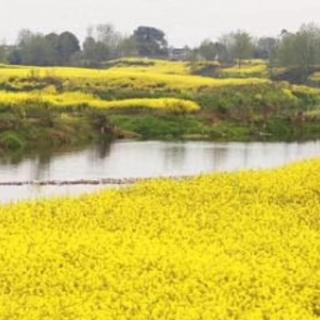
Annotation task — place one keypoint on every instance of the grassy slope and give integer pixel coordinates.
(46, 131)
(231, 109)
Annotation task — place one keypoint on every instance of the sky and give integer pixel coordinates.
(184, 21)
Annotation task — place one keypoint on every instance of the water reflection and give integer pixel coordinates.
(174, 156)
(143, 159)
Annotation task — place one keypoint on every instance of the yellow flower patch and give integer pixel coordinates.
(227, 246)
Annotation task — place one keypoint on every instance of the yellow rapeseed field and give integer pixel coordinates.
(124, 78)
(315, 78)
(151, 65)
(163, 66)
(78, 99)
(229, 246)
(247, 71)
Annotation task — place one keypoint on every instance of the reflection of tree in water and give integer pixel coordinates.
(104, 149)
(289, 148)
(246, 156)
(97, 154)
(217, 156)
(18, 157)
(220, 156)
(174, 156)
(12, 158)
(41, 167)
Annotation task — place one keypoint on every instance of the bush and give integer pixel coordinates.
(12, 141)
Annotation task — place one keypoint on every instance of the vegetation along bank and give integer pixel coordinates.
(59, 106)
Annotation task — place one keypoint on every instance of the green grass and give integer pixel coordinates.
(40, 130)
(201, 128)
(159, 127)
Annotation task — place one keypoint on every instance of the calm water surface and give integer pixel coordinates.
(130, 159)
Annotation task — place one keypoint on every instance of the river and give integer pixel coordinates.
(136, 159)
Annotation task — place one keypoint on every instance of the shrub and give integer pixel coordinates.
(10, 140)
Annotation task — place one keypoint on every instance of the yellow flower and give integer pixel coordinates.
(226, 246)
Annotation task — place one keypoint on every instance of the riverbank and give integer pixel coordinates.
(69, 131)
(67, 107)
(207, 127)
(51, 130)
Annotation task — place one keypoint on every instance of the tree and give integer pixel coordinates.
(53, 52)
(15, 57)
(301, 49)
(4, 52)
(208, 50)
(107, 34)
(24, 37)
(151, 42)
(102, 43)
(215, 50)
(68, 45)
(44, 50)
(224, 48)
(266, 48)
(128, 47)
(32, 49)
(237, 46)
(241, 46)
(94, 52)
(222, 52)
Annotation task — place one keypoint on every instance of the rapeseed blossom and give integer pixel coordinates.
(247, 71)
(124, 78)
(226, 246)
(78, 99)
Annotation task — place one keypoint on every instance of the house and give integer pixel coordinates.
(179, 53)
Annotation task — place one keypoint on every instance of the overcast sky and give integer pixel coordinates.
(185, 21)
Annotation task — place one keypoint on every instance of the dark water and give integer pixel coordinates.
(130, 159)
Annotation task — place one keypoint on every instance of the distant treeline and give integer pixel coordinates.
(103, 42)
